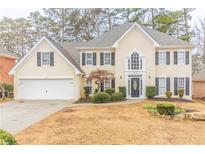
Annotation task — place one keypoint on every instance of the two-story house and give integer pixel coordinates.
(137, 56)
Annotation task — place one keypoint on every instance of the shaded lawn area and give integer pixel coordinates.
(114, 124)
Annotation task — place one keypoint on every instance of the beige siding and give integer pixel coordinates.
(61, 69)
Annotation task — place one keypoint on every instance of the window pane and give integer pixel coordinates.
(45, 58)
(107, 57)
(107, 84)
(181, 57)
(134, 61)
(89, 58)
(162, 57)
(162, 86)
(180, 83)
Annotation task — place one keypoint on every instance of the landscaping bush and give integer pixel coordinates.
(110, 91)
(123, 91)
(178, 111)
(9, 87)
(165, 109)
(169, 94)
(96, 91)
(150, 91)
(6, 138)
(181, 93)
(86, 91)
(101, 97)
(118, 96)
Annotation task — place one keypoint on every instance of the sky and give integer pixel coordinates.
(24, 12)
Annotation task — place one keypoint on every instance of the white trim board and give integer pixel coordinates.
(13, 70)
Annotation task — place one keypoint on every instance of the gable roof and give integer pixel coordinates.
(200, 76)
(108, 39)
(63, 52)
(4, 52)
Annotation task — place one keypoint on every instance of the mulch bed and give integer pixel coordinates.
(170, 100)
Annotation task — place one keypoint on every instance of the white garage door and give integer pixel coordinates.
(46, 89)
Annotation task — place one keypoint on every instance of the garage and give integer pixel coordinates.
(46, 89)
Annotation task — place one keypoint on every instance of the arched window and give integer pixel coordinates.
(135, 61)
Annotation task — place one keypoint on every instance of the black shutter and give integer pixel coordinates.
(175, 86)
(113, 83)
(113, 58)
(83, 58)
(187, 57)
(94, 58)
(157, 85)
(156, 58)
(102, 87)
(51, 58)
(187, 86)
(168, 84)
(101, 58)
(167, 57)
(38, 59)
(175, 57)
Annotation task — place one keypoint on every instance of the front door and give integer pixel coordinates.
(135, 92)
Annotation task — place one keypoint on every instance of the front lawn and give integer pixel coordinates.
(114, 124)
(6, 100)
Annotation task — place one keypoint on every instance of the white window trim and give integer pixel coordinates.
(110, 58)
(184, 83)
(184, 52)
(165, 58)
(110, 84)
(86, 58)
(42, 59)
(164, 86)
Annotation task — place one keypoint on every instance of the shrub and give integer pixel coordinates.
(169, 94)
(9, 87)
(165, 108)
(118, 96)
(150, 91)
(178, 110)
(6, 138)
(123, 91)
(86, 91)
(96, 91)
(110, 91)
(181, 93)
(101, 97)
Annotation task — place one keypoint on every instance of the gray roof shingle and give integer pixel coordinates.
(200, 76)
(3, 51)
(109, 38)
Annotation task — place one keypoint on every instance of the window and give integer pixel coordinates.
(89, 84)
(45, 58)
(181, 57)
(162, 86)
(181, 83)
(134, 61)
(107, 58)
(162, 57)
(89, 58)
(107, 84)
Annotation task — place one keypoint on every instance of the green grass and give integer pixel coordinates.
(153, 109)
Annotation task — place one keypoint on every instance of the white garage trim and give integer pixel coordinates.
(46, 77)
(46, 89)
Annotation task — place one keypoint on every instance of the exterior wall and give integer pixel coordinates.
(175, 70)
(198, 89)
(61, 69)
(135, 40)
(6, 64)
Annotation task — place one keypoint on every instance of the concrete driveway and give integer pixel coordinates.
(15, 117)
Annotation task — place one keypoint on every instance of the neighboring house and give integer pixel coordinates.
(137, 56)
(7, 61)
(198, 82)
